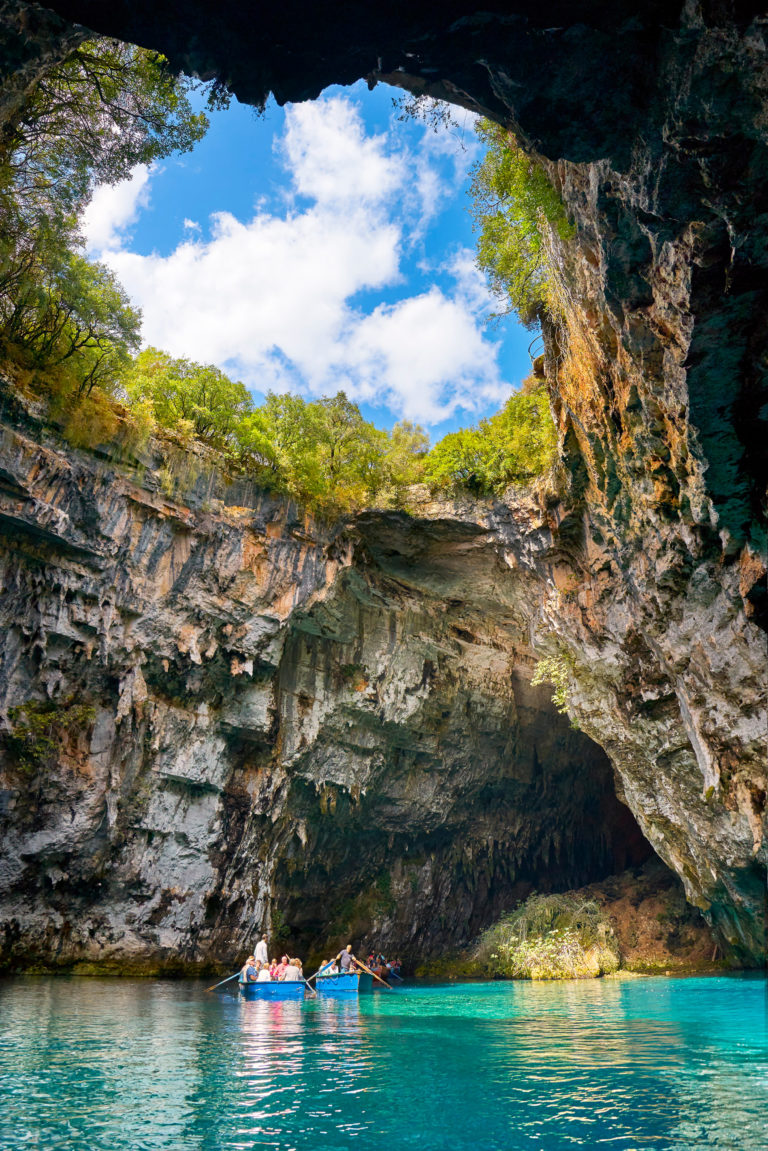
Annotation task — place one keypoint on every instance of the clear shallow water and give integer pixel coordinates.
(122, 1065)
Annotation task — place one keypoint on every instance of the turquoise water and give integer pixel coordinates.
(123, 1065)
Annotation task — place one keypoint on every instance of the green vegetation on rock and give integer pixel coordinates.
(515, 445)
(517, 212)
(37, 728)
(550, 937)
(556, 670)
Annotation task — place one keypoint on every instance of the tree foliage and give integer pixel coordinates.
(106, 108)
(90, 120)
(326, 454)
(513, 446)
(323, 451)
(513, 206)
(57, 308)
(190, 398)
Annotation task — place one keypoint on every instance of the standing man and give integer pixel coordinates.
(261, 950)
(345, 959)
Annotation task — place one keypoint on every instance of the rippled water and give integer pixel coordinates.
(644, 1063)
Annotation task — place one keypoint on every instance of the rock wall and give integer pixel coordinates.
(333, 722)
(330, 727)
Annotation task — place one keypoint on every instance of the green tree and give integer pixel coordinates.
(279, 440)
(521, 440)
(91, 119)
(513, 206)
(404, 454)
(189, 395)
(514, 445)
(457, 460)
(65, 310)
(323, 452)
(351, 448)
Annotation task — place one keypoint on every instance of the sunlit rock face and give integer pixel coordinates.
(339, 722)
(647, 578)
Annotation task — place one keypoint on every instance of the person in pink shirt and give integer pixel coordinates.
(281, 968)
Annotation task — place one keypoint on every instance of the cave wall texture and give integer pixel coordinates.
(285, 709)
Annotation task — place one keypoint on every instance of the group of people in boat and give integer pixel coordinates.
(346, 962)
(259, 969)
(384, 968)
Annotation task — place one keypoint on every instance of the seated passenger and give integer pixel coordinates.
(282, 966)
(264, 976)
(249, 974)
(292, 972)
(273, 969)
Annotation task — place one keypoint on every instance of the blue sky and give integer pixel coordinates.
(322, 246)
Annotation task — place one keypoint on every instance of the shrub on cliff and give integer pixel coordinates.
(550, 937)
(38, 729)
(515, 445)
(515, 209)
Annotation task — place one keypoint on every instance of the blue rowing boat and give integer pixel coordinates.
(293, 989)
(349, 983)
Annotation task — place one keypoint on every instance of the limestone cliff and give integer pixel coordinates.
(335, 720)
(334, 723)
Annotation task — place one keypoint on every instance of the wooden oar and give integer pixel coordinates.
(228, 980)
(310, 988)
(383, 982)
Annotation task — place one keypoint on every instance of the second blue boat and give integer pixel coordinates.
(344, 983)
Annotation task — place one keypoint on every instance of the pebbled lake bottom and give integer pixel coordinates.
(107, 1065)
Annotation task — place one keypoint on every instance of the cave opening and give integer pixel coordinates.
(414, 835)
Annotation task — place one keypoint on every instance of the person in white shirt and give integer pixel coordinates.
(292, 972)
(261, 952)
(264, 976)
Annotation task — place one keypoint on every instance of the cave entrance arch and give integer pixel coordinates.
(448, 826)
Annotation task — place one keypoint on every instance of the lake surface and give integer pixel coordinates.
(123, 1065)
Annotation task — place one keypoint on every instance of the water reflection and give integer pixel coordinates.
(119, 1065)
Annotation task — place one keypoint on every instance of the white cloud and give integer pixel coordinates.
(112, 210)
(273, 299)
(270, 283)
(423, 357)
(332, 160)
